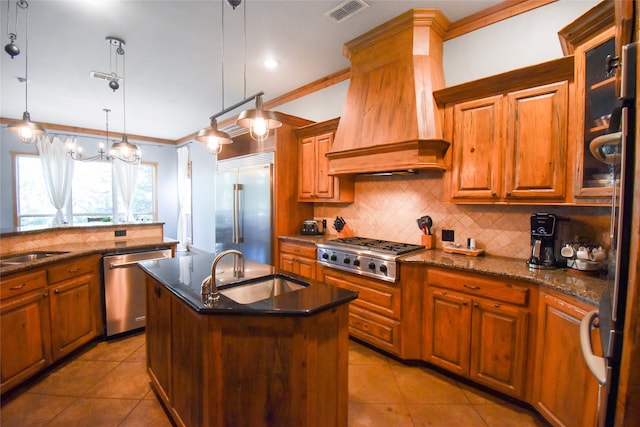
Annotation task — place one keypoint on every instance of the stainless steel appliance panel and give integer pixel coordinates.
(617, 150)
(124, 290)
(244, 200)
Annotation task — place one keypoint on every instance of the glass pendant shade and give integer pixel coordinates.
(258, 121)
(213, 138)
(126, 151)
(26, 130)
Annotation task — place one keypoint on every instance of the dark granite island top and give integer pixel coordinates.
(183, 276)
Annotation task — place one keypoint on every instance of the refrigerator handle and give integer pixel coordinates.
(596, 364)
(237, 227)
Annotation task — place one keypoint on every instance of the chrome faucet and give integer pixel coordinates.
(209, 289)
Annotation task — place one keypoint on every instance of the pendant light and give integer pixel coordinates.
(124, 150)
(26, 130)
(213, 138)
(257, 120)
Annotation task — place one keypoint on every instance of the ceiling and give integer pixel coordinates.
(173, 56)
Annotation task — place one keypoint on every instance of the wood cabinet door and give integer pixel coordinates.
(25, 346)
(536, 141)
(158, 336)
(498, 346)
(447, 330)
(565, 391)
(476, 170)
(288, 263)
(307, 267)
(72, 314)
(307, 168)
(324, 187)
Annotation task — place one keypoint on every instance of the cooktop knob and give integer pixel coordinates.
(347, 261)
(356, 263)
(334, 257)
(372, 266)
(383, 268)
(325, 256)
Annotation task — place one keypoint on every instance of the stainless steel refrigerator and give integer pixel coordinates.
(244, 206)
(616, 149)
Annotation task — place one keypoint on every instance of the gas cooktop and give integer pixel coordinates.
(369, 257)
(394, 248)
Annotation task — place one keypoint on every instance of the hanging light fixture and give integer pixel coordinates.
(213, 138)
(123, 150)
(76, 152)
(257, 120)
(26, 130)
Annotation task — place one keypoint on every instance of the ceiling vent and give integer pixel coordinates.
(346, 10)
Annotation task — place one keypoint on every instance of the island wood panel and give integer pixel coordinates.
(158, 338)
(245, 370)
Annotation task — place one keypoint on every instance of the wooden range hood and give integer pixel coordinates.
(390, 120)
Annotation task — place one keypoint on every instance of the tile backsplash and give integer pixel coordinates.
(387, 208)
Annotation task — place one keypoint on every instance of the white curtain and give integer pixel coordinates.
(184, 199)
(57, 168)
(125, 175)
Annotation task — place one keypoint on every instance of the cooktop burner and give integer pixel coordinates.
(386, 246)
(368, 257)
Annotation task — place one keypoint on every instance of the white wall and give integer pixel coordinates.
(203, 174)
(525, 39)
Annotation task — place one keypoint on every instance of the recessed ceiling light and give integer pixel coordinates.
(270, 63)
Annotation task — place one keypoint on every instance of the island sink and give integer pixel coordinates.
(262, 288)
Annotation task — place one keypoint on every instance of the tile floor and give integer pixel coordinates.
(107, 385)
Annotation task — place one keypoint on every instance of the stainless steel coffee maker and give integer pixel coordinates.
(543, 241)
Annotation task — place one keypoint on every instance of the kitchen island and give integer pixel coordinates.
(278, 361)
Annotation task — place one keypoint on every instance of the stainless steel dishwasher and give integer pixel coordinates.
(124, 290)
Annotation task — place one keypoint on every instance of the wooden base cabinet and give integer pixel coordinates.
(385, 315)
(298, 258)
(477, 334)
(565, 391)
(45, 314)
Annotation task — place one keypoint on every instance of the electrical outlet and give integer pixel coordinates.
(120, 233)
(448, 236)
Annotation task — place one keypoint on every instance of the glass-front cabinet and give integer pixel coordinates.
(595, 177)
(591, 39)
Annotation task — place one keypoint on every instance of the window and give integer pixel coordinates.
(92, 195)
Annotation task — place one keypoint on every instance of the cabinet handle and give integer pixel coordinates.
(472, 287)
(497, 305)
(75, 270)
(57, 291)
(20, 286)
(508, 193)
(494, 194)
(156, 290)
(46, 294)
(464, 303)
(475, 304)
(443, 293)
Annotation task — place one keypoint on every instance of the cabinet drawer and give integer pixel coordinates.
(377, 330)
(372, 294)
(71, 268)
(482, 286)
(308, 251)
(22, 283)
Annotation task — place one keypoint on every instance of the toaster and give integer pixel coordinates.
(313, 227)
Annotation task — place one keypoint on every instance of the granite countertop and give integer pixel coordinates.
(583, 286)
(11, 231)
(73, 250)
(183, 276)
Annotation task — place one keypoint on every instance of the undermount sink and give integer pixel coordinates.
(23, 259)
(263, 288)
